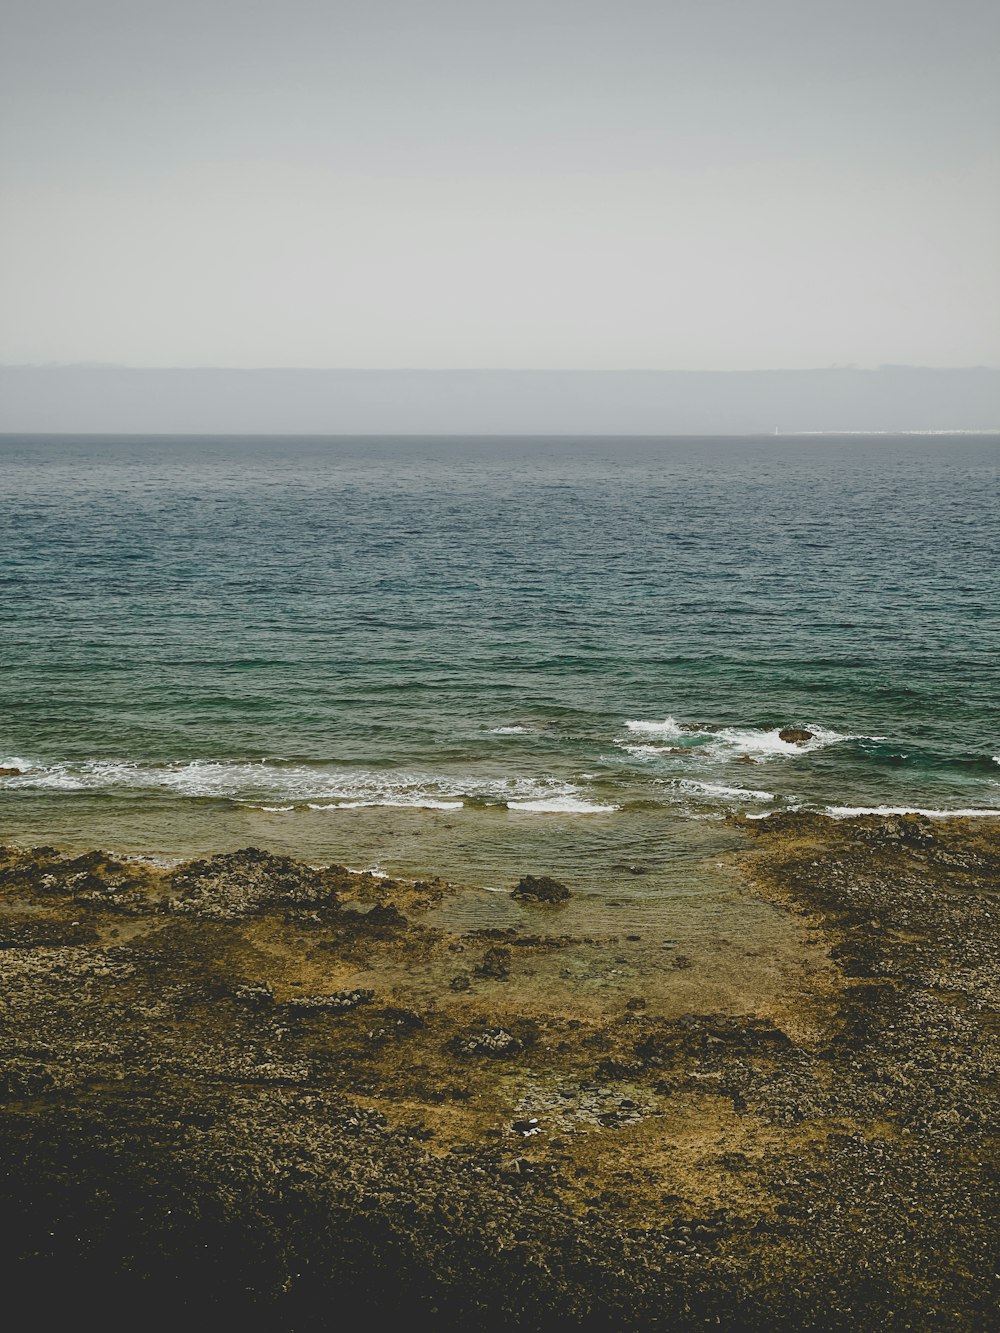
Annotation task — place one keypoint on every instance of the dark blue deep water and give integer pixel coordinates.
(561, 643)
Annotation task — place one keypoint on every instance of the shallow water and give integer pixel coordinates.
(483, 656)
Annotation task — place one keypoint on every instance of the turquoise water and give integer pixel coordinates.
(480, 651)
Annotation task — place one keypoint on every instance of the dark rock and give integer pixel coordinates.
(612, 1068)
(385, 914)
(541, 889)
(795, 735)
(526, 1127)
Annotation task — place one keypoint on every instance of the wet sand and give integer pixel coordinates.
(244, 1088)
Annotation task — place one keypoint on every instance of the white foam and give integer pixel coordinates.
(849, 811)
(668, 727)
(719, 789)
(560, 805)
(729, 742)
(765, 745)
(509, 731)
(267, 783)
(652, 751)
(277, 809)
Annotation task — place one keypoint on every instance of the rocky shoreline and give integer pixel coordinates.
(246, 1088)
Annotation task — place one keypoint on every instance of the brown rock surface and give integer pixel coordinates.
(246, 1090)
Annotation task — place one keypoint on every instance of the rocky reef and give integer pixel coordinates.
(290, 1098)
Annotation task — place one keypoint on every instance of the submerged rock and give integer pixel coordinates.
(495, 964)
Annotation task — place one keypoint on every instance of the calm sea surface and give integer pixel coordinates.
(483, 656)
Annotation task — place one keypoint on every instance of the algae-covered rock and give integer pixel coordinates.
(246, 883)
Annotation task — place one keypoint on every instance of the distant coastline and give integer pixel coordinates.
(99, 399)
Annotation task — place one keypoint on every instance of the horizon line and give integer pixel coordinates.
(836, 368)
(489, 435)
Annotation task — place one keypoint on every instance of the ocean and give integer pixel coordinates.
(480, 657)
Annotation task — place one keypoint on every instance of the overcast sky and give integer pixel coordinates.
(704, 184)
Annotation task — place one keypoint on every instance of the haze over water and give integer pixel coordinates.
(480, 656)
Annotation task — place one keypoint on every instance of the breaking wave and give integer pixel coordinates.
(719, 790)
(279, 788)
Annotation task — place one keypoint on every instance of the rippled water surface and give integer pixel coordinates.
(472, 655)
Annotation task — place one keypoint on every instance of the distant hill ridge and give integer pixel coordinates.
(110, 399)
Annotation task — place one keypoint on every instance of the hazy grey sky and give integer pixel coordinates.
(534, 183)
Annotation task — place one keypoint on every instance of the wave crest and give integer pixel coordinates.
(561, 805)
(726, 743)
